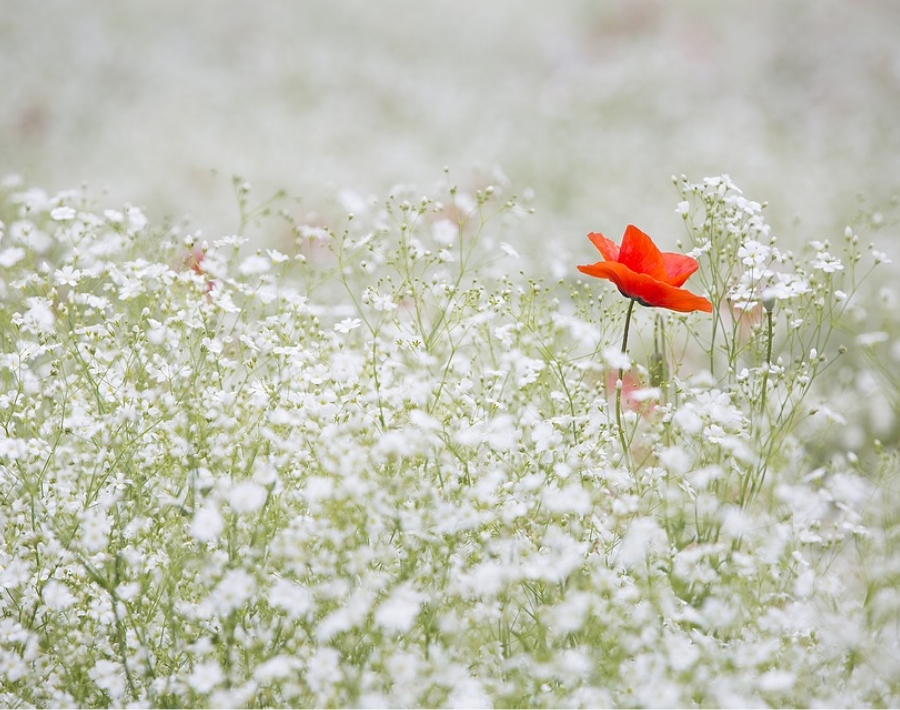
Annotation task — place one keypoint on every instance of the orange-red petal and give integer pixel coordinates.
(646, 289)
(641, 255)
(678, 268)
(607, 247)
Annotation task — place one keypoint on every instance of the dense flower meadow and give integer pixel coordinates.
(396, 462)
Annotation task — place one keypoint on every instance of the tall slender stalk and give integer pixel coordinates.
(619, 382)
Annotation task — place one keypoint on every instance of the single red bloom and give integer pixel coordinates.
(642, 272)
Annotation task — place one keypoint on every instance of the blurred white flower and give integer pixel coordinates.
(205, 677)
(398, 612)
(348, 324)
(247, 497)
(207, 524)
(62, 214)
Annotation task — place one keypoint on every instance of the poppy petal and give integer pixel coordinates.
(678, 268)
(607, 247)
(641, 255)
(646, 289)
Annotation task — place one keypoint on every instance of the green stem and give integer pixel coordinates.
(768, 359)
(619, 383)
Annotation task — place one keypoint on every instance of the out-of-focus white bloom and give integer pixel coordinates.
(232, 591)
(255, 264)
(827, 263)
(40, 316)
(109, 676)
(398, 612)
(381, 302)
(545, 436)
(869, 340)
(348, 324)
(136, 219)
(777, 681)
(95, 528)
(276, 257)
(11, 256)
(57, 596)
(644, 537)
(205, 677)
(615, 358)
(62, 214)
(292, 598)
(509, 250)
(207, 524)
(444, 232)
(247, 497)
(275, 669)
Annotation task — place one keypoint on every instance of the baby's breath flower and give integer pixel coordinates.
(827, 263)
(348, 324)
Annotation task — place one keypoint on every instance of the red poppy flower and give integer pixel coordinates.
(642, 272)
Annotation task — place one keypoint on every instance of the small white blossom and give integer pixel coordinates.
(827, 263)
(57, 596)
(255, 264)
(247, 497)
(398, 612)
(11, 256)
(207, 524)
(616, 359)
(62, 214)
(869, 340)
(507, 249)
(205, 677)
(348, 324)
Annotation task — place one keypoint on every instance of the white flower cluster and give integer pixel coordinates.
(734, 228)
(372, 468)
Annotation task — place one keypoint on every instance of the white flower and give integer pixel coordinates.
(247, 497)
(753, 254)
(67, 276)
(276, 256)
(62, 214)
(509, 250)
(11, 256)
(615, 358)
(136, 219)
(57, 596)
(348, 324)
(683, 208)
(382, 302)
(255, 264)
(275, 669)
(868, 340)
(444, 232)
(233, 590)
(399, 611)
(291, 598)
(827, 263)
(205, 677)
(545, 436)
(110, 677)
(207, 524)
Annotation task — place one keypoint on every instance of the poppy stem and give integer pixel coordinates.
(619, 382)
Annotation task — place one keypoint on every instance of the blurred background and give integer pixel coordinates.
(593, 106)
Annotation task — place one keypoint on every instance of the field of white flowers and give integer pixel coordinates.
(374, 440)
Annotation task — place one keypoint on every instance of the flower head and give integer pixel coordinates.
(642, 272)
